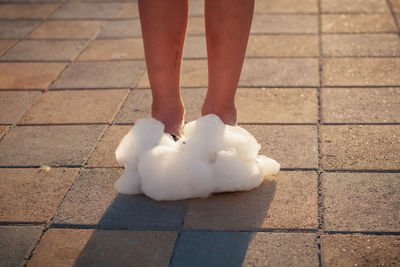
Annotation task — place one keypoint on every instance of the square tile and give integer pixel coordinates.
(196, 26)
(121, 29)
(287, 200)
(196, 8)
(266, 23)
(361, 201)
(49, 145)
(5, 45)
(77, 29)
(113, 209)
(14, 104)
(286, 6)
(29, 75)
(360, 105)
(33, 195)
(86, 11)
(121, 74)
(27, 11)
(93, 106)
(357, 23)
(195, 47)
(356, 6)
(127, 11)
(16, 29)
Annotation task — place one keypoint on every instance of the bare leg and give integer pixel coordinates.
(163, 28)
(228, 25)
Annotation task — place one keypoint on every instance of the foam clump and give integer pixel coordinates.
(210, 157)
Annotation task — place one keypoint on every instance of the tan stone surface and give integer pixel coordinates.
(195, 26)
(287, 200)
(33, 195)
(195, 47)
(14, 29)
(3, 130)
(5, 45)
(27, 11)
(14, 104)
(357, 23)
(128, 11)
(360, 250)
(29, 75)
(86, 10)
(395, 5)
(121, 29)
(196, 8)
(266, 23)
(361, 6)
(286, 6)
(77, 29)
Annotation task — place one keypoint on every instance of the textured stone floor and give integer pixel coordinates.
(320, 90)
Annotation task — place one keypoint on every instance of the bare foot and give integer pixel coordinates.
(227, 113)
(171, 115)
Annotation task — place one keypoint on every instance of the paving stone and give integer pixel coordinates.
(14, 104)
(205, 248)
(29, 75)
(113, 49)
(287, 200)
(361, 201)
(5, 45)
(104, 155)
(286, 6)
(49, 145)
(360, 105)
(195, 26)
(280, 72)
(265, 23)
(33, 195)
(93, 106)
(195, 47)
(361, 6)
(361, 71)
(27, 11)
(357, 23)
(283, 46)
(16, 29)
(70, 247)
(121, 29)
(86, 11)
(360, 250)
(113, 209)
(127, 11)
(360, 45)
(104, 74)
(196, 8)
(16, 243)
(79, 29)
(3, 130)
(395, 5)
(28, 50)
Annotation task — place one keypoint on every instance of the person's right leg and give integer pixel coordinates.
(163, 25)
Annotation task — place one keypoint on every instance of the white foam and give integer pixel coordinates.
(210, 157)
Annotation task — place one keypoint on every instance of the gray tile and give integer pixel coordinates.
(14, 104)
(121, 29)
(264, 23)
(86, 11)
(16, 29)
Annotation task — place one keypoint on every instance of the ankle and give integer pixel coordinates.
(227, 113)
(171, 115)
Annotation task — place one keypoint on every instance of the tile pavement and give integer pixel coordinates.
(319, 91)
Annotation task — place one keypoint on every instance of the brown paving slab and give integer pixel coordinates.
(195, 26)
(100, 74)
(113, 49)
(360, 45)
(16, 29)
(361, 6)
(14, 104)
(357, 23)
(121, 29)
(5, 45)
(79, 29)
(365, 147)
(195, 47)
(286, 6)
(16, 243)
(196, 8)
(29, 75)
(93, 106)
(283, 46)
(360, 105)
(265, 23)
(280, 72)
(33, 195)
(361, 201)
(3, 130)
(361, 71)
(286, 200)
(27, 50)
(78, 247)
(360, 250)
(27, 11)
(50, 145)
(127, 11)
(86, 11)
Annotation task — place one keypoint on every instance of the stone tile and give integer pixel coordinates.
(195, 26)
(360, 250)
(283, 46)
(280, 72)
(16, 243)
(395, 5)
(359, 6)
(361, 201)
(361, 71)
(287, 200)
(104, 155)
(360, 105)
(113, 209)
(196, 8)
(360, 45)
(121, 74)
(27, 11)
(79, 29)
(49, 145)
(195, 47)
(3, 130)
(293, 146)
(14, 104)
(16, 29)
(86, 11)
(29, 75)
(364, 147)
(33, 195)
(357, 23)
(113, 49)
(245, 249)
(93, 106)
(127, 11)
(31, 50)
(286, 6)
(121, 29)
(264, 23)
(5, 45)
(96, 247)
